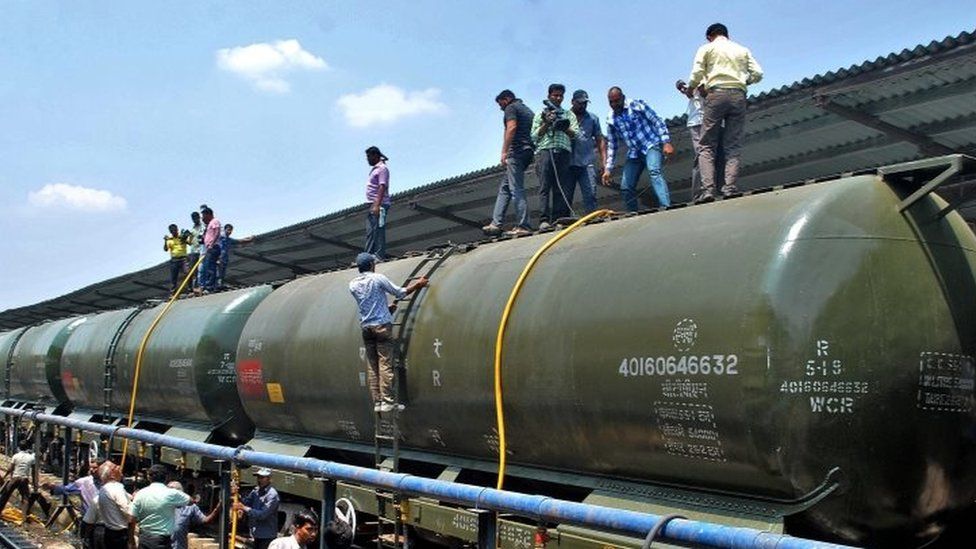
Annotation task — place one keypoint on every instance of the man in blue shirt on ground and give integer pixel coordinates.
(189, 516)
(369, 289)
(261, 508)
(647, 139)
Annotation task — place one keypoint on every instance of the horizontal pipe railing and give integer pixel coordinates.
(540, 508)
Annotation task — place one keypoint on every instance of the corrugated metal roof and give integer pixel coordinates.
(929, 90)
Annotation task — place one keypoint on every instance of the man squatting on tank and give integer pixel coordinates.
(376, 319)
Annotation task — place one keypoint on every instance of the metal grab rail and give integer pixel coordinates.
(538, 508)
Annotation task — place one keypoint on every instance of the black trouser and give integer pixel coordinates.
(262, 543)
(152, 541)
(111, 539)
(87, 534)
(555, 182)
(21, 484)
(175, 270)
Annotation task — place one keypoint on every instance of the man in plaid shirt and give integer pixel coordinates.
(647, 139)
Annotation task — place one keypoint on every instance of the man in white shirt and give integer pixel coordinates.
(114, 514)
(306, 527)
(19, 475)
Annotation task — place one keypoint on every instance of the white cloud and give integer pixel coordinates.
(265, 63)
(74, 197)
(385, 104)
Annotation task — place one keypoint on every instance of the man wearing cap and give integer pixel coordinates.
(589, 140)
(154, 510)
(725, 69)
(369, 289)
(378, 197)
(261, 508)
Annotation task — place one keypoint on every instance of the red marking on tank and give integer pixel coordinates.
(250, 378)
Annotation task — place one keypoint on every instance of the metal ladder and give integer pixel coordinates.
(108, 384)
(387, 433)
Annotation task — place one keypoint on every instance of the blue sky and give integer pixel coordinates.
(119, 118)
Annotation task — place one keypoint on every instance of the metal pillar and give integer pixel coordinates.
(487, 528)
(326, 509)
(223, 468)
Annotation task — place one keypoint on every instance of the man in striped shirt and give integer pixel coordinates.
(648, 142)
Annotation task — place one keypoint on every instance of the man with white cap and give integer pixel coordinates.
(369, 289)
(261, 508)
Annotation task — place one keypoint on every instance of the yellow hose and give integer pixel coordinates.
(503, 325)
(235, 476)
(142, 349)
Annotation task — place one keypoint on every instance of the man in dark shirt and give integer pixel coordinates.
(517, 150)
(582, 164)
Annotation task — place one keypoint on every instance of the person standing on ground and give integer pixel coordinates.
(378, 198)
(114, 530)
(648, 142)
(154, 510)
(87, 487)
(725, 69)
(176, 246)
(261, 508)
(189, 516)
(306, 525)
(211, 237)
(589, 141)
(517, 149)
(369, 289)
(19, 476)
(553, 130)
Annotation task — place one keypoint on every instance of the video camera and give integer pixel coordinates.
(555, 116)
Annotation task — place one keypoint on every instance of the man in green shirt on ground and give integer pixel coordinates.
(154, 510)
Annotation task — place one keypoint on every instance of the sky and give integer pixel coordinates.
(119, 118)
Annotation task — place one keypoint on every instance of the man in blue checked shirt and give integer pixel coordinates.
(647, 139)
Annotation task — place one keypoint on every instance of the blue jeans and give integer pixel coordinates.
(208, 270)
(585, 177)
(512, 189)
(222, 269)
(632, 171)
(376, 233)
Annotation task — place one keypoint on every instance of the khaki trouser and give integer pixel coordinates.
(379, 353)
(728, 107)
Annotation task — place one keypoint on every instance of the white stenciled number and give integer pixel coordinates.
(719, 364)
(692, 365)
(733, 362)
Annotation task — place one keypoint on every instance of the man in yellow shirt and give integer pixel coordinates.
(724, 68)
(175, 244)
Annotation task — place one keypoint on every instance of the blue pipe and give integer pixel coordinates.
(534, 507)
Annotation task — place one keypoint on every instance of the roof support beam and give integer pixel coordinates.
(119, 297)
(920, 140)
(334, 241)
(152, 286)
(292, 267)
(444, 214)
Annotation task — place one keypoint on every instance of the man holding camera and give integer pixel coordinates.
(517, 150)
(647, 139)
(725, 69)
(553, 131)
